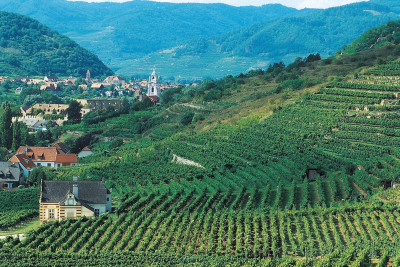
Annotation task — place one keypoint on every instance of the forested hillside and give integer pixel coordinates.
(256, 46)
(30, 48)
(195, 41)
(119, 31)
(376, 37)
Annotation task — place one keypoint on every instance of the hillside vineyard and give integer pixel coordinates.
(266, 207)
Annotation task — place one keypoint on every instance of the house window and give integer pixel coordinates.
(108, 199)
(48, 164)
(96, 212)
(39, 164)
(52, 214)
(59, 165)
(5, 185)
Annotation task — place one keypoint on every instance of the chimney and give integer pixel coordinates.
(75, 190)
(75, 178)
(26, 149)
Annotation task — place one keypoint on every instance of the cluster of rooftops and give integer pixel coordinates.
(15, 171)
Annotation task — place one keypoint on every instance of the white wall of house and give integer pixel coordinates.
(101, 207)
(59, 165)
(87, 212)
(45, 163)
(109, 204)
(70, 212)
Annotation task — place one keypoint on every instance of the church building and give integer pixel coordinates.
(154, 86)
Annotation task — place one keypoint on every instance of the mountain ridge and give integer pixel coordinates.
(27, 47)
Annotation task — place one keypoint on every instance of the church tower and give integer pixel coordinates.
(88, 79)
(154, 86)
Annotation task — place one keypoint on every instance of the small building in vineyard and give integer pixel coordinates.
(60, 200)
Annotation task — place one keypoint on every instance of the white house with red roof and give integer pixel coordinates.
(48, 156)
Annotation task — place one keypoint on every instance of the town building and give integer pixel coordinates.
(88, 79)
(50, 87)
(61, 147)
(18, 90)
(51, 108)
(114, 80)
(154, 86)
(51, 79)
(48, 156)
(26, 164)
(11, 175)
(60, 200)
(96, 104)
(97, 86)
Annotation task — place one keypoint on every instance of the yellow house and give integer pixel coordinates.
(60, 200)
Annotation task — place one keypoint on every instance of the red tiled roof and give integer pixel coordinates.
(66, 158)
(39, 153)
(24, 160)
(61, 148)
(49, 154)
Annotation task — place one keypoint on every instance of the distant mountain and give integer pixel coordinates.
(27, 47)
(258, 45)
(120, 31)
(195, 41)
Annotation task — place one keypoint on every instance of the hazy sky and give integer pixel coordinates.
(291, 3)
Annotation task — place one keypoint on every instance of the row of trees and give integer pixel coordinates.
(12, 135)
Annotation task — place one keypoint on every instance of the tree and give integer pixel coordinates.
(187, 118)
(74, 111)
(142, 105)
(125, 106)
(17, 141)
(6, 126)
(40, 173)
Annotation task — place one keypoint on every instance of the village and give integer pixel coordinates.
(68, 199)
(94, 95)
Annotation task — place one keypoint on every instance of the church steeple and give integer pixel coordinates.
(88, 79)
(154, 86)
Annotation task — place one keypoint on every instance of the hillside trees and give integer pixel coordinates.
(34, 49)
(40, 173)
(6, 134)
(74, 111)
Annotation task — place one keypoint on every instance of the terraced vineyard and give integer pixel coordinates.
(348, 132)
(186, 223)
(349, 257)
(247, 193)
